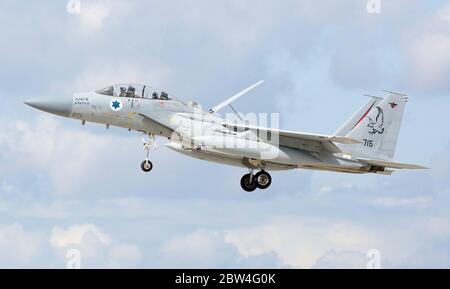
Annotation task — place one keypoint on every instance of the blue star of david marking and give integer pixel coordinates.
(115, 104)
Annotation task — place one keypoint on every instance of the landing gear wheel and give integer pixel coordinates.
(263, 180)
(146, 166)
(247, 185)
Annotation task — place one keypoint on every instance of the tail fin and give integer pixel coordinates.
(379, 130)
(358, 116)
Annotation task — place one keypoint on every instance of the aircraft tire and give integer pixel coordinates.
(263, 180)
(246, 185)
(146, 166)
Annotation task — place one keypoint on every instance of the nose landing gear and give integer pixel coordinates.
(261, 180)
(147, 165)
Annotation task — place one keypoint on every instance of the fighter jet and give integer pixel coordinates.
(365, 143)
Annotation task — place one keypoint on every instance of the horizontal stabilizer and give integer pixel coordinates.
(389, 164)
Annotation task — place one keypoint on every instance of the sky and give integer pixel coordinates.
(66, 187)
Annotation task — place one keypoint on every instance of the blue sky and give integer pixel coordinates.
(65, 186)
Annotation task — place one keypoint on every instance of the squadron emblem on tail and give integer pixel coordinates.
(376, 126)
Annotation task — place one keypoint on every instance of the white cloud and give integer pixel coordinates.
(300, 242)
(200, 248)
(19, 248)
(93, 14)
(74, 235)
(210, 249)
(430, 58)
(97, 248)
(307, 242)
(342, 260)
(45, 145)
(428, 51)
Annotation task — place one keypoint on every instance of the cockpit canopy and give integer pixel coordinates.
(134, 91)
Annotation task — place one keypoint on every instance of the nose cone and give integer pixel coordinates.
(59, 105)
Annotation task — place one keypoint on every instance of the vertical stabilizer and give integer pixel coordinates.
(378, 131)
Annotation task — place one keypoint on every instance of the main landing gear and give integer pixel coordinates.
(146, 164)
(260, 180)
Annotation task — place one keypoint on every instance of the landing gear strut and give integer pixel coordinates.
(260, 180)
(147, 165)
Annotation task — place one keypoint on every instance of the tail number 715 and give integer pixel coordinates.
(368, 143)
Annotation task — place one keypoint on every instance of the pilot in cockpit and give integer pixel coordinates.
(123, 92)
(131, 91)
(164, 96)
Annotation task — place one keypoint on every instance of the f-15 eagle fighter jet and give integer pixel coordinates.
(365, 143)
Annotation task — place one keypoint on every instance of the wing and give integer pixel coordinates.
(156, 127)
(297, 140)
(389, 164)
